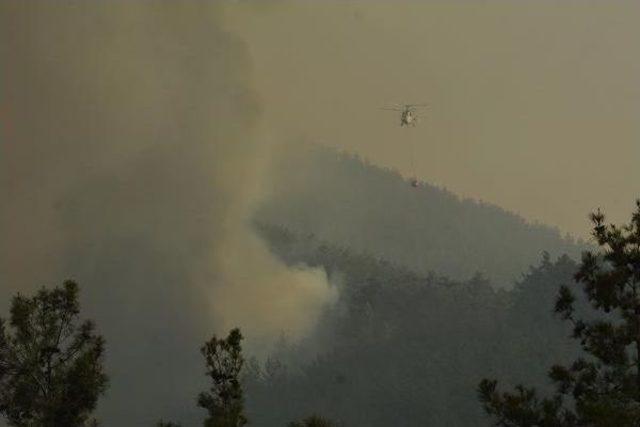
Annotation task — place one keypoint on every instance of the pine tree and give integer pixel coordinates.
(602, 388)
(51, 366)
(224, 362)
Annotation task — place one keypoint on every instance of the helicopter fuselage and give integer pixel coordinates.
(407, 118)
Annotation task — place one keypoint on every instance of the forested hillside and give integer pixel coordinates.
(344, 200)
(406, 349)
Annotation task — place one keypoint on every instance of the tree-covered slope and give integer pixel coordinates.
(400, 348)
(344, 200)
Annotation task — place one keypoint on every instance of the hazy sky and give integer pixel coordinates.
(534, 105)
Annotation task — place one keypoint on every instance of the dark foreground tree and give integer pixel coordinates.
(224, 401)
(601, 389)
(312, 421)
(51, 365)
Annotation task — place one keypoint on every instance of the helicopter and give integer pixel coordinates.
(408, 116)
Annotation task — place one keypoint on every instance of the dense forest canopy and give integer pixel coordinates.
(401, 348)
(343, 199)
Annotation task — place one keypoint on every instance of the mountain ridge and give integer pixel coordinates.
(345, 200)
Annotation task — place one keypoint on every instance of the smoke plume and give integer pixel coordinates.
(129, 161)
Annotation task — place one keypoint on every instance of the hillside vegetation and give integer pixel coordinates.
(342, 199)
(400, 348)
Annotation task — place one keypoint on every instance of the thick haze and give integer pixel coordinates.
(534, 105)
(128, 162)
(138, 137)
(136, 118)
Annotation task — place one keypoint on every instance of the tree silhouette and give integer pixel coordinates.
(224, 401)
(602, 388)
(51, 366)
(312, 421)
